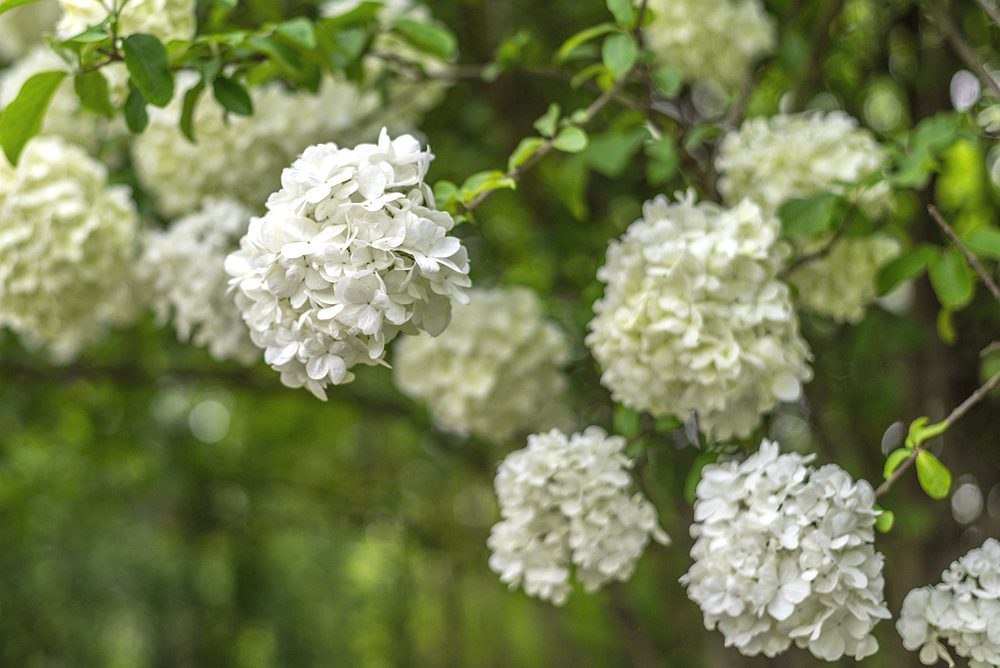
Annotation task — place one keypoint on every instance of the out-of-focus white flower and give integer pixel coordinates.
(165, 19)
(693, 317)
(716, 42)
(962, 610)
(183, 267)
(565, 505)
(66, 247)
(350, 253)
(22, 28)
(494, 372)
(785, 553)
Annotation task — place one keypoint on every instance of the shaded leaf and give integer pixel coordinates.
(148, 64)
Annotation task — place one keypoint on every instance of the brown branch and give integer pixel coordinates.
(960, 46)
(969, 257)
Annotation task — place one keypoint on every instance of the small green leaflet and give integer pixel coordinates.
(22, 119)
(8, 5)
(934, 478)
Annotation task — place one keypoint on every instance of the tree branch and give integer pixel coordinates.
(960, 46)
(969, 257)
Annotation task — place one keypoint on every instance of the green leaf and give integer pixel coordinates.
(485, 182)
(571, 139)
(546, 124)
(528, 147)
(619, 53)
(623, 12)
(364, 12)
(447, 196)
(232, 96)
(698, 134)
(582, 37)
(148, 64)
(934, 477)
(907, 266)
(809, 217)
(282, 55)
(893, 461)
(611, 152)
(429, 38)
(298, 31)
(91, 35)
(187, 110)
(136, 117)
(920, 432)
(94, 93)
(884, 520)
(984, 242)
(8, 5)
(668, 80)
(22, 119)
(663, 158)
(951, 279)
(946, 327)
(626, 421)
(694, 475)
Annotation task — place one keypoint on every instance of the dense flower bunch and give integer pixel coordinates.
(962, 610)
(66, 247)
(183, 268)
(694, 319)
(22, 28)
(494, 372)
(350, 253)
(165, 19)
(784, 553)
(716, 42)
(565, 503)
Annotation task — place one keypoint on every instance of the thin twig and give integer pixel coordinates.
(969, 257)
(961, 47)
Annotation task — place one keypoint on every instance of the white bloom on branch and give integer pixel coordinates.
(183, 269)
(350, 253)
(494, 372)
(22, 29)
(693, 317)
(566, 505)
(66, 243)
(717, 42)
(165, 19)
(962, 610)
(784, 553)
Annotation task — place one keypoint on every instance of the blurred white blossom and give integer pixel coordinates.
(350, 253)
(22, 29)
(962, 610)
(165, 19)
(66, 247)
(693, 317)
(565, 505)
(494, 372)
(784, 553)
(183, 269)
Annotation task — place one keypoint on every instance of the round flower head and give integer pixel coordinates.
(716, 42)
(350, 253)
(66, 243)
(23, 28)
(183, 267)
(565, 505)
(962, 610)
(693, 317)
(165, 19)
(494, 372)
(784, 553)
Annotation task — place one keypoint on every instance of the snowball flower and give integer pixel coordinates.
(167, 20)
(962, 610)
(716, 42)
(565, 505)
(693, 317)
(784, 553)
(495, 370)
(23, 28)
(66, 244)
(183, 268)
(350, 253)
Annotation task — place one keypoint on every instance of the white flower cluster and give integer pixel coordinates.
(350, 253)
(22, 28)
(165, 19)
(717, 42)
(962, 610)
(66, 246)
(183, 268)
(785, 553)
(494, 372)
(694, 319)
(565, 504)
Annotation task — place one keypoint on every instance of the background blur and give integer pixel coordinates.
(161, 509)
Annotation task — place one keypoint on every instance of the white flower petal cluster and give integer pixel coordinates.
(784, 553)
(962, 610)
(565, 505)
(66, 246)
(693, 317)
(167, 20)
(23, 28)
(716, 42)
(183, 268)
(350, 253)
(494, 372)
